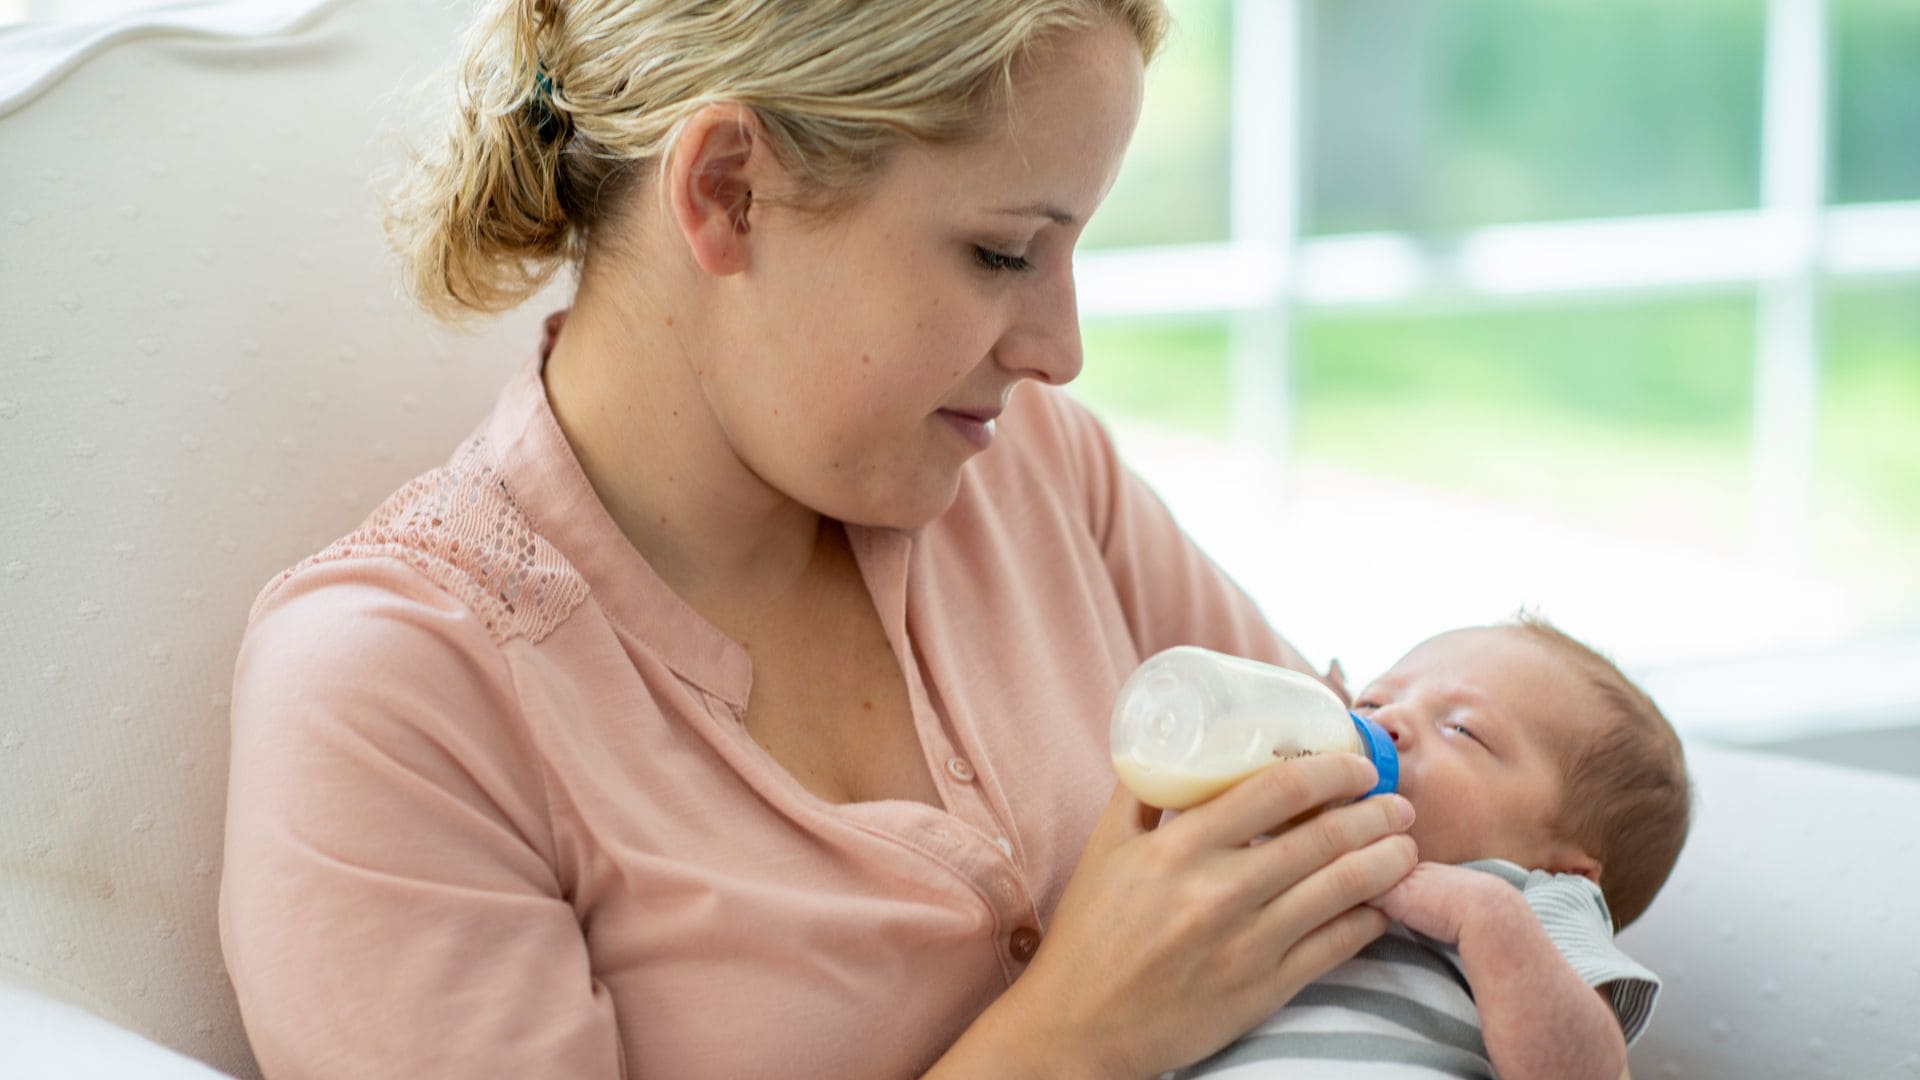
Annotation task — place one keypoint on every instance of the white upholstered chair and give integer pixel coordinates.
(207, 372)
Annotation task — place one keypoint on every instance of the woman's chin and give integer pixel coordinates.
(909, 507)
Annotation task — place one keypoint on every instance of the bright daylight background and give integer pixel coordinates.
(1420, 311)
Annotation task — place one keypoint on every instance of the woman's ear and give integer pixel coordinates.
(710, 177)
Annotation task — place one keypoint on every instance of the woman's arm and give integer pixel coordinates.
(1170, 942)
(389, 904)
(1538, 1016)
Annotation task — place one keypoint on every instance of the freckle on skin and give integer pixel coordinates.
(867, 705)
(663, 519)
(669, 320)
(865, 359)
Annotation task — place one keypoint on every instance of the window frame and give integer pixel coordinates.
(1784, 251)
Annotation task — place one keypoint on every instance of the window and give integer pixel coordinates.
(1417, 312)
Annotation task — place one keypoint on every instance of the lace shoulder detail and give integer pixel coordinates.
(458, 525)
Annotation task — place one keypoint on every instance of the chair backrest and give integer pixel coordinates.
(207, 371)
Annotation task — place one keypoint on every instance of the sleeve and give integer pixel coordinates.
(389, 904)
(1171, 591)
(1574, 913)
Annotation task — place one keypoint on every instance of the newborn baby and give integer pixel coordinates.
(1551, 801)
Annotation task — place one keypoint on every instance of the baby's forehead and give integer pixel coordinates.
(1469, 651)
(1526, 677)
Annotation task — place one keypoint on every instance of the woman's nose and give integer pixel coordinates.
(1045, 345)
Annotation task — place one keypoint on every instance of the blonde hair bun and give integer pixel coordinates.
(562, 106)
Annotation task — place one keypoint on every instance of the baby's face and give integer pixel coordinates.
(1478, 716)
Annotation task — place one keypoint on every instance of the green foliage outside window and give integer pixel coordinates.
(1634, 416)
(1876, 81)
(1441, 115)
(1433, 117)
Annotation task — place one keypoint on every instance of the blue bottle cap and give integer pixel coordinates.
(1378, 746)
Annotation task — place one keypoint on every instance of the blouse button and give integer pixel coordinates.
(960, 769)
(1023, 943)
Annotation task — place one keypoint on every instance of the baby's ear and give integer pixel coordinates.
(1571, 859)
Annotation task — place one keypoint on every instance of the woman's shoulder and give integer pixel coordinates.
(377, 673)
(395, 636)
(453, 530)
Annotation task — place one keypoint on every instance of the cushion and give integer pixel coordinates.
(1785, 937)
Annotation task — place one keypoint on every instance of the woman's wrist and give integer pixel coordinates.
(1017, 1038)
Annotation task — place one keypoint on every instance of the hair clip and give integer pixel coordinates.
(547, 122)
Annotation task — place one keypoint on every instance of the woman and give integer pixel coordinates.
(733, 702)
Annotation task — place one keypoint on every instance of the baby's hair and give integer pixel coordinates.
(1628, 801)
(564, 106)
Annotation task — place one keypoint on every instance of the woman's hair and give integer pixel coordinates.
(565, 105)
(1627, 799)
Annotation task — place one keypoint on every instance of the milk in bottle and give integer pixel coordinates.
(1190, 723)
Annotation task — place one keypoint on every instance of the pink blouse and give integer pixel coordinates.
(494, 812)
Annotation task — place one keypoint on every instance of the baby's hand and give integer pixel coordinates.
(1336, 681)
(1441, 900)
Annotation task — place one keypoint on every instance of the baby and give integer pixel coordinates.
(1551, 800)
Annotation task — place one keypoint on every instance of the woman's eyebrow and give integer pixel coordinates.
(1052, 213)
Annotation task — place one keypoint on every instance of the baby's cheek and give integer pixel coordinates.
(1439, 836)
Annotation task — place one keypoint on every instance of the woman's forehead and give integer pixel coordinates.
(1057, 141)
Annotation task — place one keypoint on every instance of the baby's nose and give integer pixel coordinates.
(1394, 728)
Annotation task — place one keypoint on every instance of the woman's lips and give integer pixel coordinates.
(976, 428)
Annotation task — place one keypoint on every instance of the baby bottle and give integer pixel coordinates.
(1191, 723)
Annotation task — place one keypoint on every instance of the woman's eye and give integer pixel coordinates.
(994, 260)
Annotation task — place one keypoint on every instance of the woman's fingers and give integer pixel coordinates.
(1327, 892)
(1298, 852)
(1326, 947)
(1262, 803)
(1126, 815)
(1124, 818)
(1169, 941)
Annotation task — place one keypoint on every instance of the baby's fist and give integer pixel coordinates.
(1438, 900)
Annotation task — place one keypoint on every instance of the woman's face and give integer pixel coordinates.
(865, 354)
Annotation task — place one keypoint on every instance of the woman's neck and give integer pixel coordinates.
(622, 385)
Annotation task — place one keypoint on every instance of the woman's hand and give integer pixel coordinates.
(1170, 942)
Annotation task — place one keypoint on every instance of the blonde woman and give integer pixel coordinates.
(733, 702)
